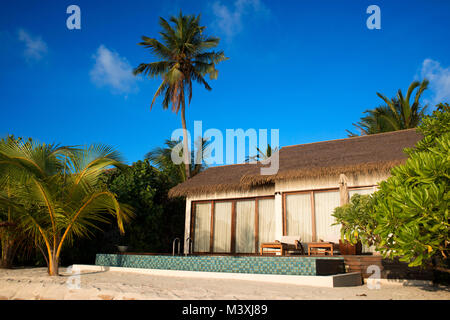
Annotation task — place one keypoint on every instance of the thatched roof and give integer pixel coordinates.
(365, 154)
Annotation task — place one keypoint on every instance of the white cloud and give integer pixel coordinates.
(229, 21)
(112, 70)
(439, 78)
(35, 47)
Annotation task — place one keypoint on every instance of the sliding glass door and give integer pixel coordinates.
(324, 205)
(222, 227)
(233, 226)
(266, 221)
(299, 216)
(202, 227)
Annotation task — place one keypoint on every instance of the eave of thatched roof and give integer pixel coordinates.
(365, 154)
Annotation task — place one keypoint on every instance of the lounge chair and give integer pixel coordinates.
(291, 244)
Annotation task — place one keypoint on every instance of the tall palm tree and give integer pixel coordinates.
(59, 192)
(399, 112)
(184, 58)
(162, 159)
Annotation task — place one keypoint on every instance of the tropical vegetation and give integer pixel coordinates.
(398, 113)
(55, 194)
(162, 158)
(185, 57)
(12, 236)
(408, 217)
(158, 219)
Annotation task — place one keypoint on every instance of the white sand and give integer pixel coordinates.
(34, 283)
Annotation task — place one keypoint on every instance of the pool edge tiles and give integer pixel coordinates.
(286, 265)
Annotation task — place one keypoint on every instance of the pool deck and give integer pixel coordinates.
(330, 281)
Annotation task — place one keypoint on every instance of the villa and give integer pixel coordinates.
(233, 209)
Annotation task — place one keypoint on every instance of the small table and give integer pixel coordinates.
(272, 245)
(325, 247)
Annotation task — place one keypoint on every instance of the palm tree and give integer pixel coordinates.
(262, 155)
(59, 193)
(184, 59)
(374, 122)
(399, 113)
(162, 159)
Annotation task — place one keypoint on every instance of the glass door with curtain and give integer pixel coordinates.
(299, 216)
(324, 204)
(222, 227)
(266, 221)
(245, 226)
(202, 227)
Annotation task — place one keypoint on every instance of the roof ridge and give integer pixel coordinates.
(348, 138)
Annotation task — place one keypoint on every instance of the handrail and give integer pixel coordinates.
(189, 241)
(173, 246)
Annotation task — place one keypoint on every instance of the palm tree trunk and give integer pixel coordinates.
(9, 243)
(53, 265)
(186, 153)
(5, 262)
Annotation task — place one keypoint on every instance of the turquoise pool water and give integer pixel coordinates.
(286, 265)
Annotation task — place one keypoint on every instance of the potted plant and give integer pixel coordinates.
(122, 247)
(347, 248)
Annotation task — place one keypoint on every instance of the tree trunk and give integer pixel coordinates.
(8, 250)
(5, 262)
(53, 265)
(186, 152)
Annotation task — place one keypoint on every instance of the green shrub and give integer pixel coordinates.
(408, 217)
(357, 220)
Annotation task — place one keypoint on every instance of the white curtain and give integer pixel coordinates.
(325, 203)
(202, 230)
(360, 191)
(266, 221)
(298, 216)
(245, 226)
(222, 227)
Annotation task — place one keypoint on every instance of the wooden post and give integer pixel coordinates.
(256, 225)
(343, 190)
(313, 217)
(233, 227)
(211, 237)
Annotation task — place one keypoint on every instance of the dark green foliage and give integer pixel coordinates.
(398, 113)
(358, 220)
(158, 219)
(409, 215)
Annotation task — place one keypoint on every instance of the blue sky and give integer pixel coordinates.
(307, 68)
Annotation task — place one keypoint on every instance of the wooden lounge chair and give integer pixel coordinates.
(291, 244)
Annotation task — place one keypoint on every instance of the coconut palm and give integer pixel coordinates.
(184, 58)
(374, 122)
(162, 159)
(57, 192)
(399, 113)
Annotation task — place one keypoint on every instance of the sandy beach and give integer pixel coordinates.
(35, 284)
